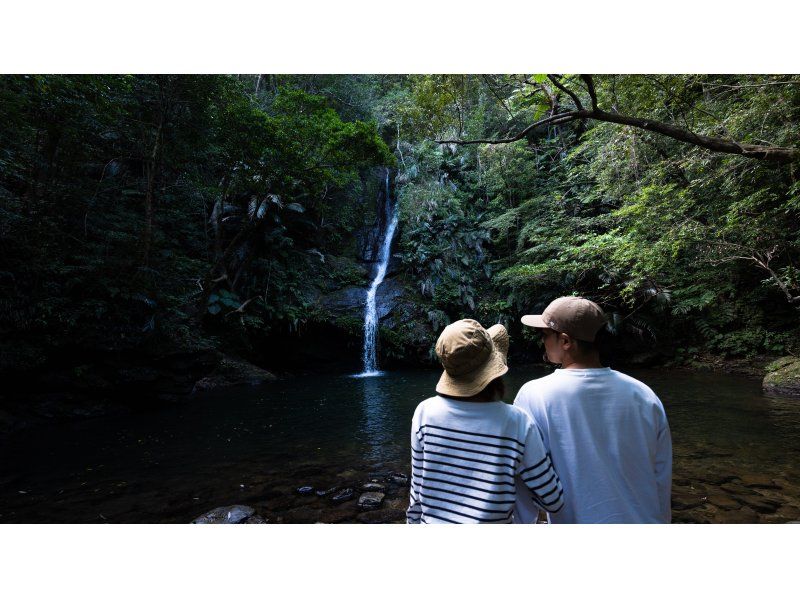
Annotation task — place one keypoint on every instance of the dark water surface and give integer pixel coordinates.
(736, 453)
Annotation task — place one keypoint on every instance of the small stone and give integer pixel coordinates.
(328, 491)
(343, 495)
(373, 487)
(399, 478)
(370, 500)
(232, 514)
(305, 490)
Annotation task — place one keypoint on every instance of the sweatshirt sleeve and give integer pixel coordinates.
(537, 473)
(663, 468)
(414, 511)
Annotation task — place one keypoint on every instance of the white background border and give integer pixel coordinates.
(408, 36)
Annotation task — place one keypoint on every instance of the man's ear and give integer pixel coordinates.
(566, 340)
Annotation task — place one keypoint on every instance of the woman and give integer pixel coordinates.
(469, 450)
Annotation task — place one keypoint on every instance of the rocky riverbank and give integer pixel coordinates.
(701, 493)
(382, 497)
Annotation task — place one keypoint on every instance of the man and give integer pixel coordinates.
(606, 432)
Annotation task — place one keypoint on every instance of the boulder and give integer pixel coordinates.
(232, 514)
(783, 378)
(234, 372)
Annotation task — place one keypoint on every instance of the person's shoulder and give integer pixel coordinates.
(535, 389)
(428, 405)
(537, 384)
(640, 388)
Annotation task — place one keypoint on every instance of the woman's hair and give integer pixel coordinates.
(494, 391)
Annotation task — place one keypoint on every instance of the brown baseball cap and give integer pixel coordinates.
(471, 356)
(578, 317)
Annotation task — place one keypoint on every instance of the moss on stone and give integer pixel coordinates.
(783, 378)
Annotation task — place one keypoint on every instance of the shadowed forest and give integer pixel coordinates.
(151, 226)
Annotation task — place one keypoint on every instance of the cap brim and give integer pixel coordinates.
(534, 321)
(471, 384)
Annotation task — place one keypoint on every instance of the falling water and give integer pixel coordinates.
(370, 311)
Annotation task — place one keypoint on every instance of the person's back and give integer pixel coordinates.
(608, 437)
(607, 433)
(468, 447)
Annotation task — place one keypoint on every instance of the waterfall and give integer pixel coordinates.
(370, 358)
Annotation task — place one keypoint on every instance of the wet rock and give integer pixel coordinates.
(783, 378)
(234, 372)
(759, 504)
(724, 501)
(232, 514)
(370, 500)
(327, 492)
(346, 301)
(400, 479)
(738, 489)
(373, 487)
(305, 490)
(255, 519)
(759, 481)
(386, 297)
(342, 496)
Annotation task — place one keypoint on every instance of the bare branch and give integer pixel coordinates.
(590, 88)
(550, 120)
(555, 80)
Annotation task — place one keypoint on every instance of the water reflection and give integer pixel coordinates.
(246, 443)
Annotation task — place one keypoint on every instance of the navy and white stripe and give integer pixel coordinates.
(466, 458)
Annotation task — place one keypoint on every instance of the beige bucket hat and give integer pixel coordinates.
(471, 356)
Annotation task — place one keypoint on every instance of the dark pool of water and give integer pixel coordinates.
(737, 453)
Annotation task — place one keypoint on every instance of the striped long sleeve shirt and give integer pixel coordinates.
(469, 460)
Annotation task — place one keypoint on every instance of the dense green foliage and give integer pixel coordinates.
(693, 249)
(153, 213)
(168, 211)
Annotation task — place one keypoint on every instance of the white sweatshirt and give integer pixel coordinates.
(610, 443)
(466, 457)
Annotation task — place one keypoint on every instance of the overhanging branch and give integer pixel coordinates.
(781, 155)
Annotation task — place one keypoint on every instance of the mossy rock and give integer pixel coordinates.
(783, 378)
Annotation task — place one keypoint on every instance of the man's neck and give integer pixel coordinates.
(581, 364)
